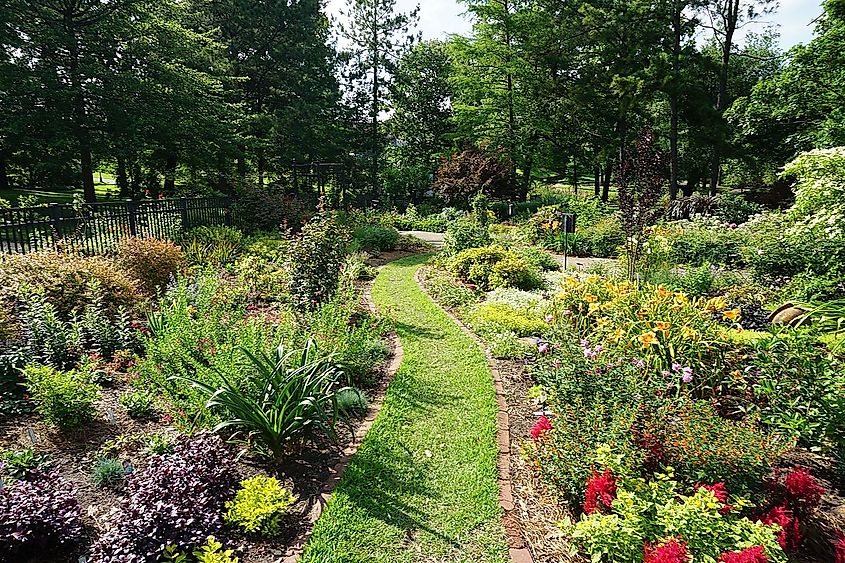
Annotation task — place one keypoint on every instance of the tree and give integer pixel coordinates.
(378, 37)
(471, 172)
(726, 17)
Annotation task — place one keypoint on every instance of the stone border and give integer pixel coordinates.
(517, 546)
(295, 549)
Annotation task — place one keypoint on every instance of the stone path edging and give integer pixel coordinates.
(294, 551)
(517, 546)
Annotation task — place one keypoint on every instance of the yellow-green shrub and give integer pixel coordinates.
(65, 399)
(259, 505)
(490, 267)
(501, 318)
(151, 261)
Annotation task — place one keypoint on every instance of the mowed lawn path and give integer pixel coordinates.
(422, 487)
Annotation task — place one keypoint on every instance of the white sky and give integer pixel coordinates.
(439, 18)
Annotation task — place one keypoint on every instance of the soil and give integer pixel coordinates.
(73, 454)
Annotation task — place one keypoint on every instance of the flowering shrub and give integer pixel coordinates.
(177, 499)
(601, 491)
(756, 554)
(38, 514)
(662, 327)
(542, 425)
(646, 513)
(259, 505)
(671, 551)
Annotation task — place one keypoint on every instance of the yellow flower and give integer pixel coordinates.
(648, 339)
(590, 298)
(662, 325)
(571, 280)
(608, 286)
(717, 304)
(662, 292)
(688, 332)
(616, 336)
(602, 322)
(681, 298)
(732, 315)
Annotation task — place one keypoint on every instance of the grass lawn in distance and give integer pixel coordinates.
(422, 487)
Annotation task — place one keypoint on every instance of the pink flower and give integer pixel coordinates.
(549, 318)
(802, 490)
(540, 427)
(676, 366)
(756, 554)
(567, 312)
(542, 347)
(672, 551)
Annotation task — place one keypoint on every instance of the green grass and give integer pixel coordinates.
(45, 195)
(422, 487)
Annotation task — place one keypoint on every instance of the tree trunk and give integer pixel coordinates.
(86, 168)
(374, 110)
(605, 189)
(575, 175)
(597, 181)
(4, 178)
(731, 18)
(170, 173)
(674, 103)
(122, 177)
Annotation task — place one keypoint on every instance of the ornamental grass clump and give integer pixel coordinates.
(259, 505)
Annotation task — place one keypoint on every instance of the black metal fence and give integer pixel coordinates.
(95, 228)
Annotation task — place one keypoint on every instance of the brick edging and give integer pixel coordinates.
(517, 546)
(295, 550)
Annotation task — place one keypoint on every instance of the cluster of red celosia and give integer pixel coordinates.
(801, 490)
(799, 493)
(601, 491)
(542, 425)
(670, 551)
(789, 537)
(839, 548)
(756, 554)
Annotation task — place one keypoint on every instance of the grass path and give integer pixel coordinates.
(422, 487)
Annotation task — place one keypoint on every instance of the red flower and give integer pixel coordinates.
(601, 490)
(721, 494)
(802, 490)
(671, 551)
(789, 537)
(756, 554)
(839, 547)
(542, 425)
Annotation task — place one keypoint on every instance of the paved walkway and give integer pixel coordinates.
(434, 239)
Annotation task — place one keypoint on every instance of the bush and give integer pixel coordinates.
(603, 239)
(735, 209)
(177, 499)
(66, 281)
(464, 234)
(493, 266)
(65, 399)
(537, 258)
(217, 246)
(19, 464)
(138, 405)
(645, 514)
(152, 261)
(315, 261)
(268, 211)
(447, 291)
(464, 175)
(376, 238)
(37, 515)
(499, 318)
(210, 552)
(259, 505)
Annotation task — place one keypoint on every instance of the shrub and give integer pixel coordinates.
(138, 405)
(66, 280)
(446, 290)
(315, 261)
(646, 514)
(217, 245)
(152, 261)
(493, 266)
(177, 499)
(735, 209)
(538, 259)
(602, 239)
(259, 505)
(107, 472)
(464, 175)
(37, 515)
(296, 400)
(507, 345)
(269, 211)
(704, 447)
(210, 552)
(376, 238)
(499, 317)
(65, 399)
(464, 234)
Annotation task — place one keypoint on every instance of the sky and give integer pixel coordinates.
(439, 18)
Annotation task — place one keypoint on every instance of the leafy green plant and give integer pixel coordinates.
(296, 400)
(650, 512)
(508, 346)
(376, 237)
(107, 472)
(17, 464)
(151, 261)
(160, 443)
(65, 399)
(259, 506)
(499, 317)
(493, 266)
(138, 404)
(210, 552)
(463, 234)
